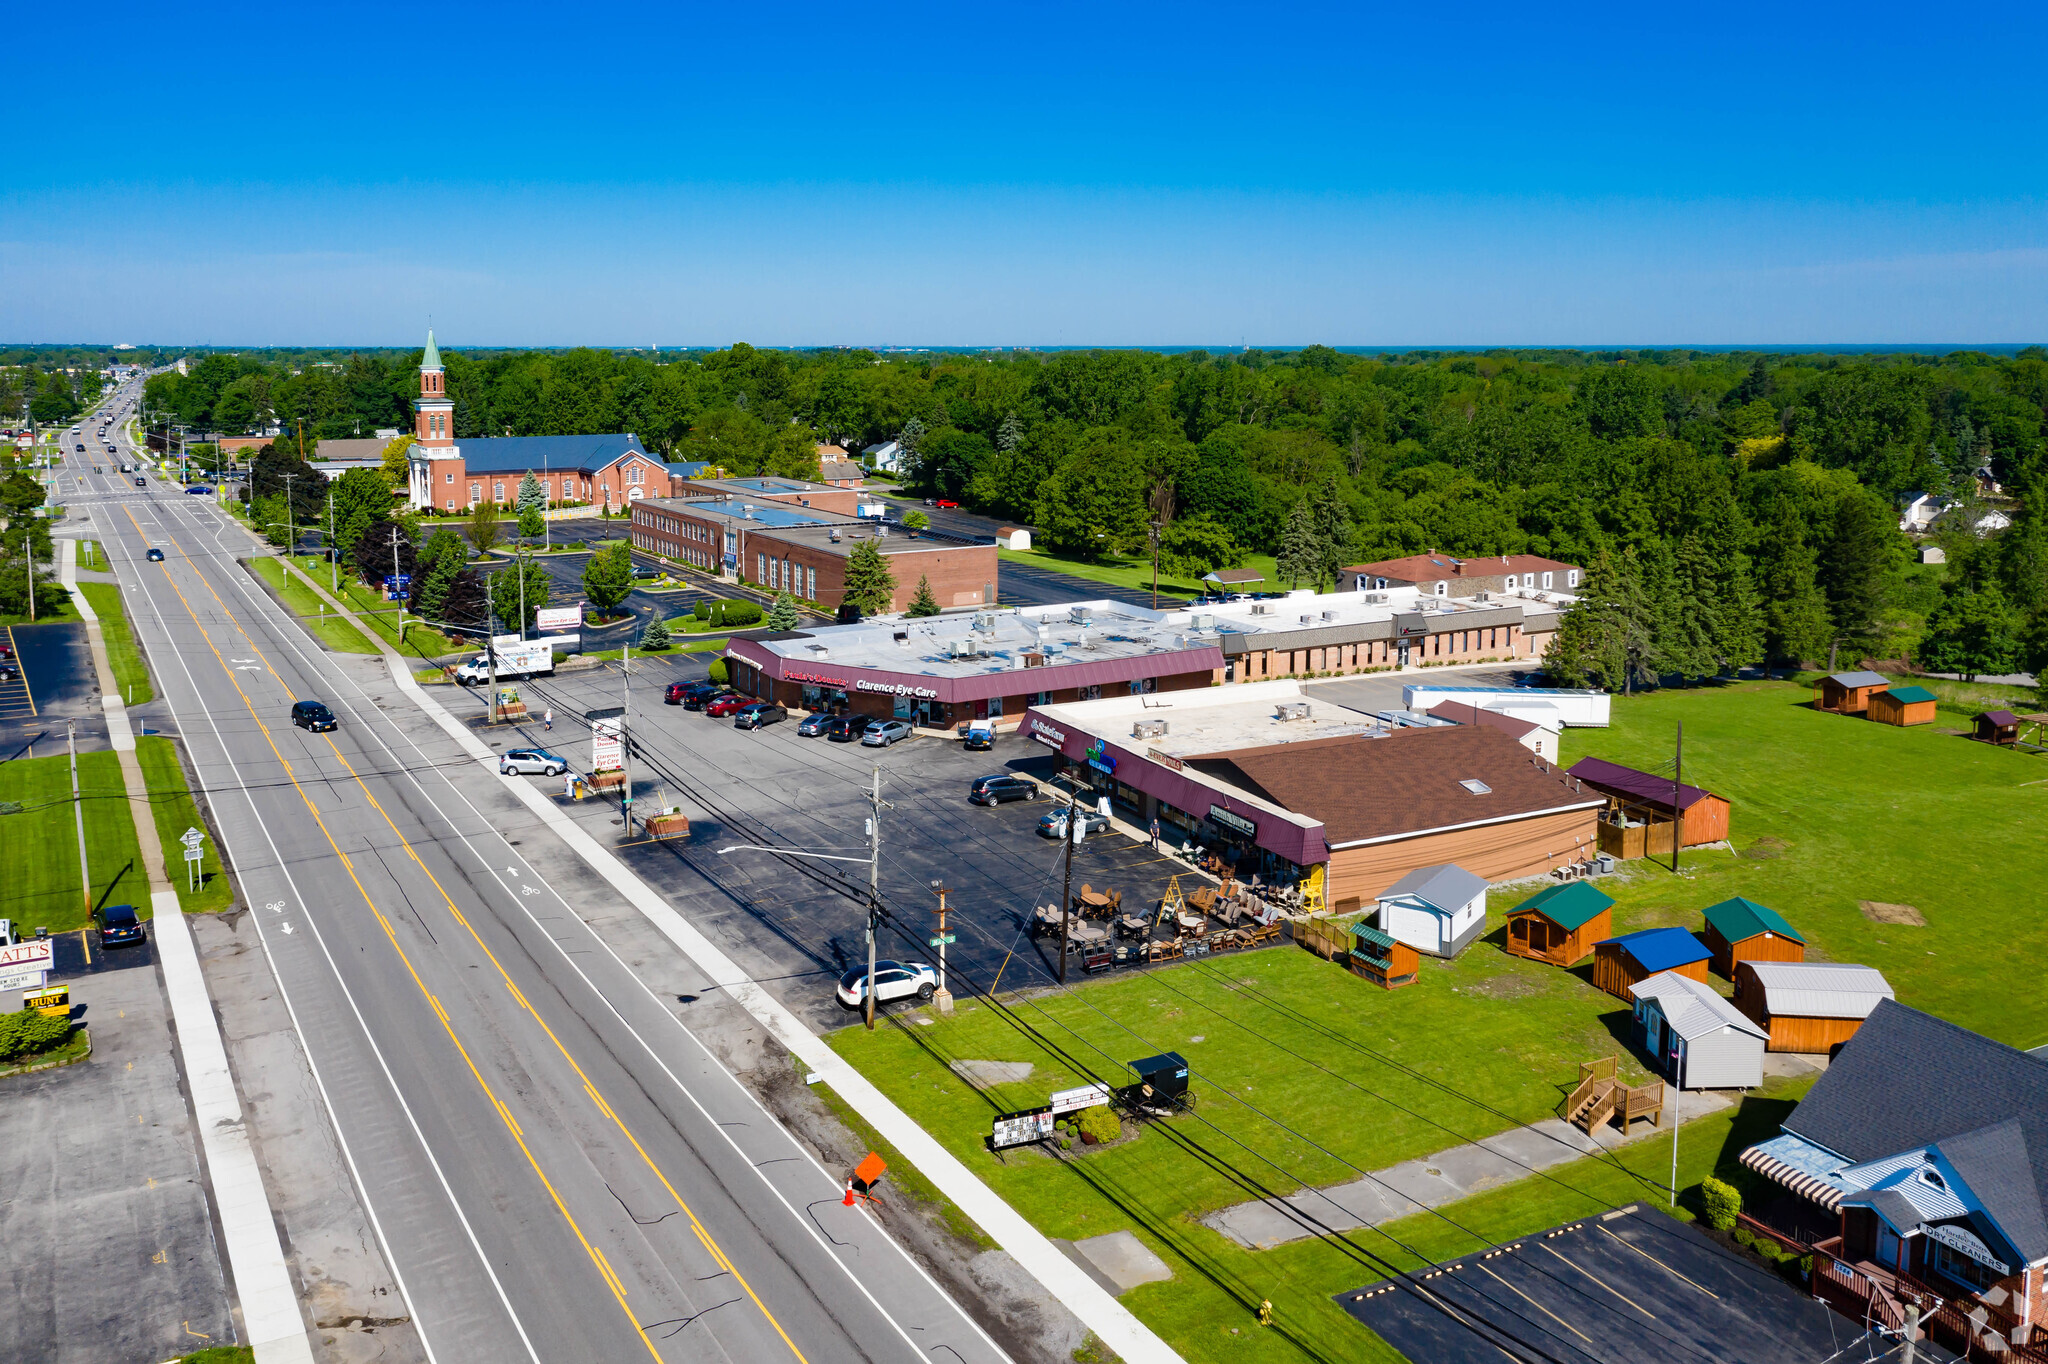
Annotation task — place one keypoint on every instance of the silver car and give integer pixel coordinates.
(886, 733)
(528, 761)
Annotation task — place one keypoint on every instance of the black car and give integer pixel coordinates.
(141, 482)
(646, 571)
(1002, 786)
(698, 695)
(313, 715)
(757, 714)
(847, 729)
(155, 556)
(117, 924)
(816, 723)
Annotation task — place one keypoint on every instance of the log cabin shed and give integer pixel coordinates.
(1698, 1039)
(1560, 924)
(1618, 963)
(1648, 797)
(1902, 706)
(1809, 1007)
(1999, 727)
(1743, 930)
(1848, 693)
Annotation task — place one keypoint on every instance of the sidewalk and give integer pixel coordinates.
(1109, 1319)
(270, 1305)
(1417, 1185)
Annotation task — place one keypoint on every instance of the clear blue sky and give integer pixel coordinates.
(1018, 175)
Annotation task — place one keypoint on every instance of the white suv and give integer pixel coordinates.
(893, 980)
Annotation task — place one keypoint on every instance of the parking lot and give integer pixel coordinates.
(806, 920)
(1628, 1285)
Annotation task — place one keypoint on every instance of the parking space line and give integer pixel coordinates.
(1661, 1265)
(1604, 1284)
(1537, 1305)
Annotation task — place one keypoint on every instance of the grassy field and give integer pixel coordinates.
(123, 654)
(1136, 571)
(336, 632)
(39, 880)
(378, 614)
(1307, 1075)
(170, 800)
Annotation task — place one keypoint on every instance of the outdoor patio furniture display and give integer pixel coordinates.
(1133, 926)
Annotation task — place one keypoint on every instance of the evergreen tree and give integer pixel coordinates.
(1690, 638)
(870, 585)
(1856, 565)
(434, 574)
(1972, 633)
(655, 636)
(784, 615)
(532, 525)
(1796, 623)
(1301, 552)
(924, 603)
(1739, 624)
(1010, 434)
(1334, 533)
(532, 496)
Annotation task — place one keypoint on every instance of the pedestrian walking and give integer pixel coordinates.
(547, 720)
(568, 786)
(1155, 833)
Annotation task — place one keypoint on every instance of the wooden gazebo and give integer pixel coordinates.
(1999, 727)
(1903, 706)
(1560, 924)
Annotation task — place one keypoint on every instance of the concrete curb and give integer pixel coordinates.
(1113, 1323)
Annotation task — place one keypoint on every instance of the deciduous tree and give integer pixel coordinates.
(608, 577)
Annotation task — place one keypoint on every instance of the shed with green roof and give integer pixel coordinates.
(1742, 930)
(1903, 706)
(1560, 924)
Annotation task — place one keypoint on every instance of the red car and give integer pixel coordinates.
(947, 503)
(673, 696)
(726, 705)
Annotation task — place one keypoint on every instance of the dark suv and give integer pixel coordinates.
(313, 715)
(1001, 787)
(757, 714)
(117, 924)
(698, 695)
(847, 729)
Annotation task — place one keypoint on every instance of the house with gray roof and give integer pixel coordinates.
(1929, 1143)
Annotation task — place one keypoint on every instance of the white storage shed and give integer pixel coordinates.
(1700, 1040)
(1438, 910)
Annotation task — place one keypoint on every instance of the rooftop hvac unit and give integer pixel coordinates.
(1329, 615)
(881, 531)
(1292, 710)
(1260, 608)
(1149, 729)
(1081, 615)
(985, 621)
(1482, 596)
(1307, 620)
(1378, 598)
(1034, 660)
(746, 511)
(833, 535)
(1203, 620)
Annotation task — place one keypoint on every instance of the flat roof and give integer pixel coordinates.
(745, 511)
(764, 486)
(1215, 720)
(840, 539)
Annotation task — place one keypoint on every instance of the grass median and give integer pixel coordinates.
(335, 631)
(170, 801)
(1136, 571)
(124, 655)
(39, 840)
(370, 606)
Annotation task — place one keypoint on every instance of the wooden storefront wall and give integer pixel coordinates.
(1498, 852)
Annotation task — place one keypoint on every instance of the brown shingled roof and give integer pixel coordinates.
(1458, 712)
(1363, 788)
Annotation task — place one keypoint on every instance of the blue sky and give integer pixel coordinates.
(1042, 175)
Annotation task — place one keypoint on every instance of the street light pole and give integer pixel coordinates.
(1067, 886)
(874, 886)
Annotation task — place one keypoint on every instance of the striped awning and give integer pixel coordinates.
(1808, 1187)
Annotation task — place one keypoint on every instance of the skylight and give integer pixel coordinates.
(1476, 786)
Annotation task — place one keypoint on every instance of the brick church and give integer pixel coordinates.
(451, 475)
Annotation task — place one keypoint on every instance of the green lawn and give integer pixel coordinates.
(123, 654)
(90, 556)
(336, 632)
(39, 880)
(1136, 571)
(170, 800)
(380, 615)
(1827, 812)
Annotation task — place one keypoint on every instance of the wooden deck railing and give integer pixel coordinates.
(1878, 1296)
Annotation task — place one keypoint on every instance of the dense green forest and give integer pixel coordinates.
(1744, 505)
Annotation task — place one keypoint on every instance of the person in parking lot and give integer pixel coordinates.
(1155, 834)
(547, 720)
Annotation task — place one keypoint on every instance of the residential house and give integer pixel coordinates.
(1445, 575)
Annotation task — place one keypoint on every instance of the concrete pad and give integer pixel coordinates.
(984, 1074)
(1123, 1259)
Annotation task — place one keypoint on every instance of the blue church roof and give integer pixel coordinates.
(517, 454)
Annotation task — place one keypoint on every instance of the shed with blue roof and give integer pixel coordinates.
(1739, 930)
(1560, 924)
(1619, 963)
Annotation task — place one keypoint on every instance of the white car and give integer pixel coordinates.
(893, 980)
(886, 733)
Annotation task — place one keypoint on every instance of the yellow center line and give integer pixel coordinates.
(1661, 1265)
(703, 1234)
(603, 1268)
(1537, 1305)
(1604, 1284)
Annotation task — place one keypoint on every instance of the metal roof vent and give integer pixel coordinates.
(833, 535)
(1306, 620)
(1292, 711)
(1081, 615)
(1149, 729)
(1476, 786)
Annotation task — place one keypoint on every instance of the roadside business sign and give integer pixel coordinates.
(1085, 1096)
(607, 751)
(1021, 1128)
(558, 620)
(25, 965)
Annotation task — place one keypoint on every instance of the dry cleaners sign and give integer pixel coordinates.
(895, 689)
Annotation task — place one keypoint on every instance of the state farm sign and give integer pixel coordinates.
(895, 689)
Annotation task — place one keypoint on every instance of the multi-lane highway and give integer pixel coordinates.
(554, 1166)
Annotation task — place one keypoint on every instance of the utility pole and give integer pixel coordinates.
(1067, 885)
(333, 564)
(291, 525)
(491, 639)
(1677, 788)
(1154, 527)
(1911, 1333)
(1677, 1095)
(874, 886)
(625, 720)
(944, 998)
(396, 586)
(78, 810)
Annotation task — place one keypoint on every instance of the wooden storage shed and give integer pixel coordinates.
(1618, 963)
(1698, 1039)
(1848, 693)
(1810, 1007)
(1560, 924)
(1743, 930)
(1381, 959)
(1641, 807)
(1999, 727)
(1902, 706)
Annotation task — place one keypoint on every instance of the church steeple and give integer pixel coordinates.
(433, 412)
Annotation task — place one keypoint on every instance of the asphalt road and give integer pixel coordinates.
(555, 1165)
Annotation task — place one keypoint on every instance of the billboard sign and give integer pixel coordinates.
(558, 620)
(1021, 1128)
(607, 749)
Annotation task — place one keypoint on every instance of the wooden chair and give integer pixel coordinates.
(1264, 933)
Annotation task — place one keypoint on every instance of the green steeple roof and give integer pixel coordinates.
(432, 359)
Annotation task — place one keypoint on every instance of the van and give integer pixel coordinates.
(313, 715)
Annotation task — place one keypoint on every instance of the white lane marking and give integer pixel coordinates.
(262, 604)
(334, 1119)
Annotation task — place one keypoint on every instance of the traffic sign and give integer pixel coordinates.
(194, 854)
(943, 940)
(191, 838)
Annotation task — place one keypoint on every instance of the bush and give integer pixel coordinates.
(720, 672)
(734, 612)
(1099, 1122)
(702, 610)
(25, 1034)
(1721, 1202)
